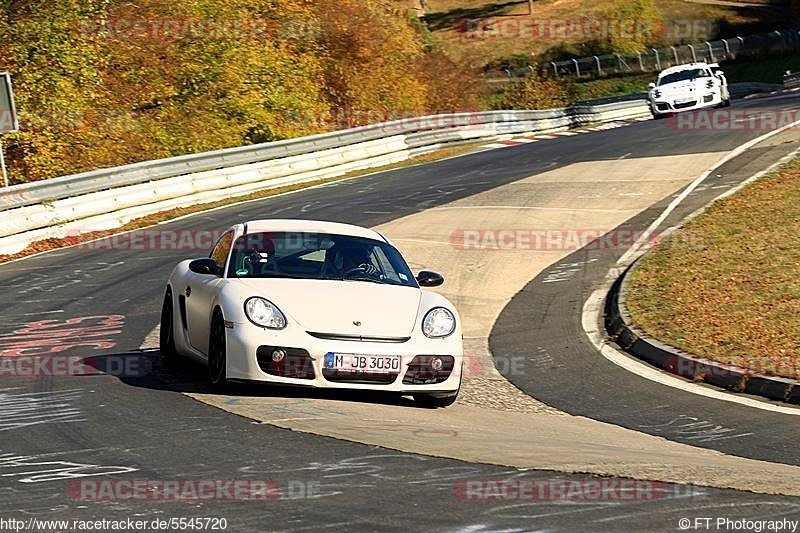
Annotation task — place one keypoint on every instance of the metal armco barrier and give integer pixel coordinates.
(109, 198)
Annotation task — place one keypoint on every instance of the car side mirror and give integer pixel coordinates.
(651, 85)
(206, 266)
(719, 73)
(427, 278)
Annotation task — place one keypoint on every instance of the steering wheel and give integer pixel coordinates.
(362, 268)
(256, 263)
(353, 270)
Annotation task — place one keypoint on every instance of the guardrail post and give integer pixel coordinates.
(641, 63)
(599, 70)
(555, 68)
(577, 68)
(741, 43)
(694, 56)
(658, 61)
(3, 164)
(620, 63)
(710, 52)
(727, 48)
(675, 54)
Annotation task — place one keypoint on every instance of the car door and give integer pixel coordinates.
(200, 293)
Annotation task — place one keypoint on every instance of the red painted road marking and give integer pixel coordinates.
(55, 336)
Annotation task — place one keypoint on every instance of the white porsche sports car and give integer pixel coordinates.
(312, 303)
(688, 87)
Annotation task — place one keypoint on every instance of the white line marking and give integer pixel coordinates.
(447, 208)
(593, 309)
(594, 305)
(636, 250)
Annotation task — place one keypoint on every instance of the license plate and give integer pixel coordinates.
(684, 100)
(374, 364)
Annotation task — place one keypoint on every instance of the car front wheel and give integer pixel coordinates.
(432, 402)
(166, 337)
(217, 353)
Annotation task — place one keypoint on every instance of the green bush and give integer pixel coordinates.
(646, 17)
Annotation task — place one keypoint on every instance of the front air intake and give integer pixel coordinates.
(285, 362)
(429, 370)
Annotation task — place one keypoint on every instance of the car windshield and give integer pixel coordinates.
(318, 256)
(684, 75)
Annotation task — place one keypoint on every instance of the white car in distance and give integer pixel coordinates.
(316, 304)
(687, 88)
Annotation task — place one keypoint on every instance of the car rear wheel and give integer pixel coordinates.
(166, 337)
(217, 353)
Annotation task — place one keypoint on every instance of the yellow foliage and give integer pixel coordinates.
(101, 83)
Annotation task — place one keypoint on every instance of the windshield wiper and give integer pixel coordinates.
(280, 275)
(364, 278)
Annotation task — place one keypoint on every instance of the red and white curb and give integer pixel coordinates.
(536, 138)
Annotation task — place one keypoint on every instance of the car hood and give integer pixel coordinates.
(335, 307)
(680, 86)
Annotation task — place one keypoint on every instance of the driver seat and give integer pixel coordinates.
(334, 260)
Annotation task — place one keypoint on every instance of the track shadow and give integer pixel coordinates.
(453, 18)
(187, 376)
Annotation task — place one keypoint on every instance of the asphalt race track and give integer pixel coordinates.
(56, 430)
(547, 316)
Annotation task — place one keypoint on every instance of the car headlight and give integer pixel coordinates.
(438, 322)
(264, 313)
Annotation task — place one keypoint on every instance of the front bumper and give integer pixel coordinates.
(663, 106)
(243, 341)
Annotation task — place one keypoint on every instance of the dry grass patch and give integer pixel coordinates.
(727, 285)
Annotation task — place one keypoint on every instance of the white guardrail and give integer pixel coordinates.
(109, 198)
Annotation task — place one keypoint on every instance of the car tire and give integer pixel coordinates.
(217, 352)
(166, 336)
(433, 402)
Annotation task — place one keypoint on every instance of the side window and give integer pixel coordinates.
(220, 252)
(317, 256)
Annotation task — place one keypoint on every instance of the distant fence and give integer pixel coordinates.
(656, 59)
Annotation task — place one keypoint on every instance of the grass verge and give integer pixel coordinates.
(156, 218)
(726, 285)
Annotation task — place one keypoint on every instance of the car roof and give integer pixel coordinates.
(311, 226)
(687, 66)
